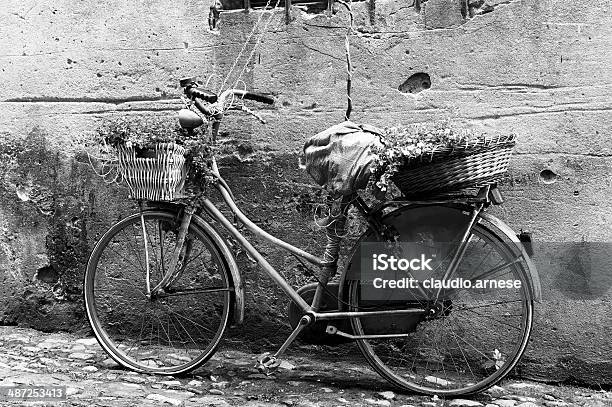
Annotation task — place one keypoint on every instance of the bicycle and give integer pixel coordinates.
(162, 285)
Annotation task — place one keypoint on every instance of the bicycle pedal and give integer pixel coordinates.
(267, 364)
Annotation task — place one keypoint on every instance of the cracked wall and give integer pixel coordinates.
(538, 68)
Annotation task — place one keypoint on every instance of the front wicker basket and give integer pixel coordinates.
(159, 178)
(452, 170)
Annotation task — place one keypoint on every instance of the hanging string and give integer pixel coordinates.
(246, 42)
(349, 66)
(258, 40)
(256, 46)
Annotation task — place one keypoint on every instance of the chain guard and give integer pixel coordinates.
(315, 333)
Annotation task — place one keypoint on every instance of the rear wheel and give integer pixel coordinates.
(472, 337)
(172, 332)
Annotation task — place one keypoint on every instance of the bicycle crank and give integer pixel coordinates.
(267, 363)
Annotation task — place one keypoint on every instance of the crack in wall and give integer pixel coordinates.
(322, 52)
(562, 154)
(513, 86)
(555, 108)
(502, 115)
(110, 100)
(132, 109)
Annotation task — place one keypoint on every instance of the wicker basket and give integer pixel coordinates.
(161, 178)
(446, 170)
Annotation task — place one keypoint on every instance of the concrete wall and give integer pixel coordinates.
(539, 68)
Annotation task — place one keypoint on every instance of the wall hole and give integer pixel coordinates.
(47, 274)
(416, 83)
(548, 177)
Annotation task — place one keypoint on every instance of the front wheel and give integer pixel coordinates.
(471, 338)
(174, 331)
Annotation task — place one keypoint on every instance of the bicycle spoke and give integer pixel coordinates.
(485, 305)
(125, 258)
(454, 293)
(482, 261)
(168, 333)
(450, 353)
(141, 330)
(190, 320)
(192, 259)
(436, 350)
(186, 331)
(461, 350)
(493, 319)
(133, 248)
(492, 331)
(473, 335)
(179, 335)
(473, 347)
(160, 324)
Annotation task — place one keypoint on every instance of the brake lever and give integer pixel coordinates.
(252, 113)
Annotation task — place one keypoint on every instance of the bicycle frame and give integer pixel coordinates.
(310, 309)
(451, 231)
(216, 215)
(429, 308)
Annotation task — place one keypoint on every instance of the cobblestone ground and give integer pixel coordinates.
(29, 357)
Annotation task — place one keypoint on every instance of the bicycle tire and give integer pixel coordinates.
(430, 383)
(116, 320)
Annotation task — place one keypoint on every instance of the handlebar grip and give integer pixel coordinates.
(202, 94)
(202, 107)
(184, 82)
(258, 97)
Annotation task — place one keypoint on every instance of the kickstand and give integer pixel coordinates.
(267, 363)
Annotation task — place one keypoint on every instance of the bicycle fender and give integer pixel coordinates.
(534, 277)
(228, 256)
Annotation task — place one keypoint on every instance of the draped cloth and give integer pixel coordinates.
(340, 157)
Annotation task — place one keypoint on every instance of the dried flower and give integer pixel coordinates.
(413, 145)
(144, 132)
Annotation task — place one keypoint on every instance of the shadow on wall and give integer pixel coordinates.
(39, 197)
(53, 208)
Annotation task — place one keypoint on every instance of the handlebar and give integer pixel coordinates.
(258, 97)
(194, 92)
(207, 96)
(213, 106)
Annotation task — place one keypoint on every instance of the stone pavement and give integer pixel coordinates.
(29, 357)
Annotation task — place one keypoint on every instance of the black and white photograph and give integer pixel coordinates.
(306, 203)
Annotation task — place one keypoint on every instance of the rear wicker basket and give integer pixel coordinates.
(161, 178)
(445, 170)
